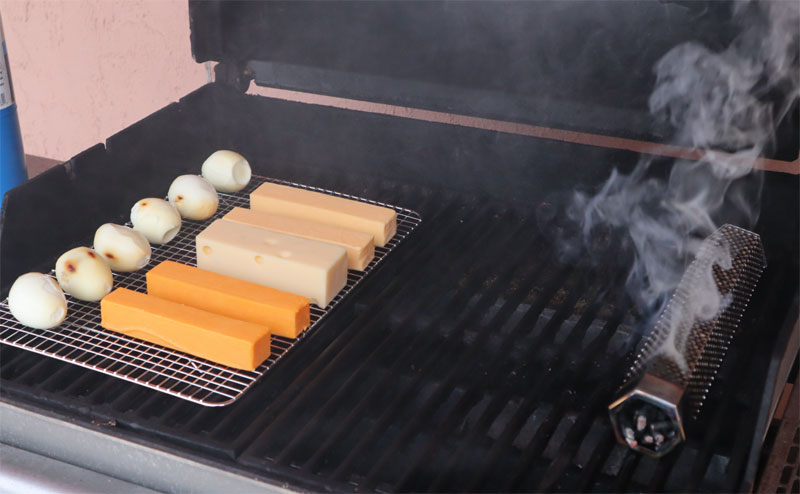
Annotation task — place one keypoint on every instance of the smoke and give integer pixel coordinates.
(726, 104)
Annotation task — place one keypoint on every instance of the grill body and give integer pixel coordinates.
(479, 357)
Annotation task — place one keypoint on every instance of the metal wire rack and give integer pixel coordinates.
(82, 341)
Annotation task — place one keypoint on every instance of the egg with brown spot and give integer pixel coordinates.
(194, 197)
(156, 219)
(124, 248)
(82, 273)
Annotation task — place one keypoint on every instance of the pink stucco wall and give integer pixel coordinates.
(84, 69)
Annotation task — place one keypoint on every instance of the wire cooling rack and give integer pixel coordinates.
(82, 341)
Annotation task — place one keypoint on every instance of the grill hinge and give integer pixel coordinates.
(234, 74)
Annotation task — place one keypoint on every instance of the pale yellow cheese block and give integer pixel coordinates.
(315, 270)
(359, 245)
(294, 202)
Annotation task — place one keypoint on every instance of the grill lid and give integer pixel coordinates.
(578, 65)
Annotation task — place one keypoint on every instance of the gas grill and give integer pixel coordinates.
(481, 354)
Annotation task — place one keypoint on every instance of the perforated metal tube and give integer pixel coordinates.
(679, 360)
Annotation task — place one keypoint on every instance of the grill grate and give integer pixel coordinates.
(82, 341)
(480, 359)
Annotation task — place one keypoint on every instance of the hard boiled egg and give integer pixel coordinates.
(82, 273)
(194, 197)
(228, 171)
(123, 248)
(37, 302)
(156, 219)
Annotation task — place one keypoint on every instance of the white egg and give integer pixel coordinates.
(228, 171)
(194, 197)
(82, 273)
(123, 248)
(156, 219)
(37, 302)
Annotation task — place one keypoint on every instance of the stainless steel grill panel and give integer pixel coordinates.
(82, 341)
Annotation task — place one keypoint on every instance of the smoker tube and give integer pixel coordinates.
(679, 360)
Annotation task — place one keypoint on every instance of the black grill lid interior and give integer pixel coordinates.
(578, 65)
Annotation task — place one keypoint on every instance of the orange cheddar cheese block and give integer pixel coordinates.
(359, 245)
(240, 344)
(286, 314)
(294, 202)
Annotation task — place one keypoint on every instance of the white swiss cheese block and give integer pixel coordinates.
(296, 265)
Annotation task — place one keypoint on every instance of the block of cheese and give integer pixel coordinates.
(294, 202)
(214, 337)
(286, 314)
(359, 245)
(296, 265)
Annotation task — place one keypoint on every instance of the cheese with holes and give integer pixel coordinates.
(294, 202)
(221, 339)
(296, 265)
(286, 314)
(359, 246)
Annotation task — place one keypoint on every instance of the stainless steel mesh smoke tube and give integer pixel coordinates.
(678, 361)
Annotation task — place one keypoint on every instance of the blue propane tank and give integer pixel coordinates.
(12, 158)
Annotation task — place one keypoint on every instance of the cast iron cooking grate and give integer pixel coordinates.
(479, 360)
(82, 341)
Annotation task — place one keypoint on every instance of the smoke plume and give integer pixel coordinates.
(726, 104)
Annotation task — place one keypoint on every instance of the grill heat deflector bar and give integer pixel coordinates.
(82, 341)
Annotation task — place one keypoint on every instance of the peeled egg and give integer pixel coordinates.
(194, 197)
(37, 302)
(156, 219)
(228, 171)
(82, 273)
(123, 248)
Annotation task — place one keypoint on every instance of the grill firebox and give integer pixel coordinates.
(475, 358)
